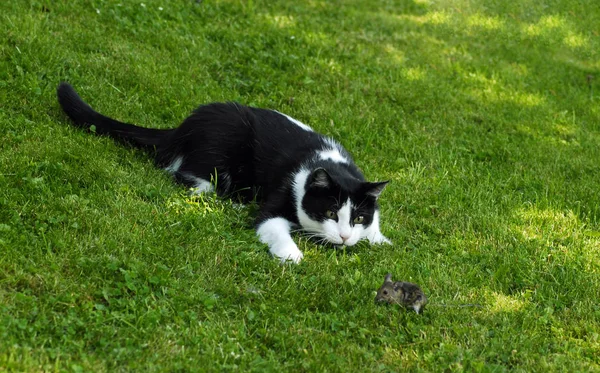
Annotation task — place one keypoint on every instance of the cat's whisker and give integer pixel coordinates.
(323, 240)
(310, 236)
(306, 231)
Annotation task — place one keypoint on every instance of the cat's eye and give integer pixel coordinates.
(330, 214)
(359, 219)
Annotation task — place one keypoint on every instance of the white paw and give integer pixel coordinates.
(379, 239)
(287, 253)
(196, 191)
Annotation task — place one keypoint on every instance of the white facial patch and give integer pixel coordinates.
(342, 232)
(344, 214)
(296, 122)
(308, 224)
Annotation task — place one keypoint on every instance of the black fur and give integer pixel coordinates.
(84, 116)
(248, 152)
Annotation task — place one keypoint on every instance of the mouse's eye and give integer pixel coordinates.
(385, 292)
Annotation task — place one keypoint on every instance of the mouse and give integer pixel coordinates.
(406, 294)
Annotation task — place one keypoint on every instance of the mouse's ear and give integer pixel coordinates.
(388, 277)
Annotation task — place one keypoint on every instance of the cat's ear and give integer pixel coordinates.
(388, 277)
(375, 189)
(319, 179)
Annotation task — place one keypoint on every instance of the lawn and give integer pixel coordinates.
(484, 114)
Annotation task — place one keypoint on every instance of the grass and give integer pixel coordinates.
(484, 114)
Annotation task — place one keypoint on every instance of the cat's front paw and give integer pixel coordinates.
(287, 253)
(378, 239)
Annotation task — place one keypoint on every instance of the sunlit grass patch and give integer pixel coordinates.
(479, 21)
(506, 304)
(282, 21)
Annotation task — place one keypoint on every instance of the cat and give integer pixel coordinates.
(300, 179)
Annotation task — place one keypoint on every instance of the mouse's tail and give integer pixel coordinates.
(84, 116)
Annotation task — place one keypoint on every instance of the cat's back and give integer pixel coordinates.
(250, 148)
(234, 121)
(281, 130)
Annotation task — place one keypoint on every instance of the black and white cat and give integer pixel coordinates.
(301, 179)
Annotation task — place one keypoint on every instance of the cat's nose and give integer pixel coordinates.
(344, 237)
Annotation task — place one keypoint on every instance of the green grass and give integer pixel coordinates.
(481, 113)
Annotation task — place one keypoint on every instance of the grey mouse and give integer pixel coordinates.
(405, 294)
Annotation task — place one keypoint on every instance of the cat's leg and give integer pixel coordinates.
(378, 238)
(373, 233)
(197, 176)
(275, 232)
(196, 185)
(200, 185)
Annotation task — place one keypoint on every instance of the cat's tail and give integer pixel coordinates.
(84, 116)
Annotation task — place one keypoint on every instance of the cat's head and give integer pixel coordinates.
(338, 210)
